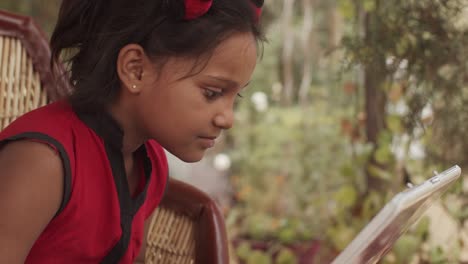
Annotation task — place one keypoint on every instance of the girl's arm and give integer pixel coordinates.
(31, 190)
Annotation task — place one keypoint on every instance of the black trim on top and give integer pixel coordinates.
(128, 206)
(63, 155)
(109, 130)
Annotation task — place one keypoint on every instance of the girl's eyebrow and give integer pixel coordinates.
(228, 82)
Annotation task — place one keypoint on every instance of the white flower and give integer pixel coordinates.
(399, 108)
(461, 21)
(222, 162)
(403, 64)
(427, 114)
(260, 101)
(390, 60)
(416, 151)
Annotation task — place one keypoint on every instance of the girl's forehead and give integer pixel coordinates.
(237, 50)
(236, 56)
(235, 45)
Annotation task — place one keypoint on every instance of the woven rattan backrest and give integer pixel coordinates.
(171, 238)
(187, 228)
(20, 84)
(26, 78)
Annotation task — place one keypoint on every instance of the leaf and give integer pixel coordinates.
(341, 235)
(402, 46)
(437, 256)
(369, 5)
(422, 228)
(346, 196)
(347, 9)
(394, 124)
(383, 155)
(287, 235)
(405, 248)
(258, 225)
(347, 171)
(258, 257)
(372, 203)
(379, 173)
(286, 256)
(426, 35)
(385, 138)
(243, 250)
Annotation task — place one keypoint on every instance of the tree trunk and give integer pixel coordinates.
(374, 102)
(375, 98)
(287, 57)
(335, 25)
(307, 29)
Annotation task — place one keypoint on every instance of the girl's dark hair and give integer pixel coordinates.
(90, 33)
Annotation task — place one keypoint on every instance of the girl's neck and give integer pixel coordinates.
(132, 139)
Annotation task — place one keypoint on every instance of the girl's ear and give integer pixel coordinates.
(131, 67)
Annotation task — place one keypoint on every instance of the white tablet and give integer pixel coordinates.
(379, 235)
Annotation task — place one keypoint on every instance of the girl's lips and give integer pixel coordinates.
(207, 142)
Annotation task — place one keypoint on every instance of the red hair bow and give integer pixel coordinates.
(197, 8)
(257, 4)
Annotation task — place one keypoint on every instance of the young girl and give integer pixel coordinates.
(80, 176)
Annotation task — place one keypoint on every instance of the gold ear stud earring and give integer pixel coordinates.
(134, 86)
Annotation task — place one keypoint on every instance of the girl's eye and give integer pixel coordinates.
(212, 94)
(240, 95)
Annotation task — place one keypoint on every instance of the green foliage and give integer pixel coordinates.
(243, 250)
(44, 12)
(286, 256)
(296, 165)
(437, 256)
(340, 235)
(346, 196)
(406, 247)
(281, 255)
(282, 152)
(258, 257)
(425, 45)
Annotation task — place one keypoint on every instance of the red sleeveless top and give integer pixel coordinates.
(99, 221)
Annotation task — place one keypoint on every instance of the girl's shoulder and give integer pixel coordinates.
(58, 112)
(49, 124)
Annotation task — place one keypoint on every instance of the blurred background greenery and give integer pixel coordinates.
(351, 100)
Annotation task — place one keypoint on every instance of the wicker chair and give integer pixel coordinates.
(186, 228)
(21, 89)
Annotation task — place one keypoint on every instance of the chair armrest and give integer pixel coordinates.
(211, 244)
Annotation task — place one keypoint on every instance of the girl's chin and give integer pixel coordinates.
(193, 156)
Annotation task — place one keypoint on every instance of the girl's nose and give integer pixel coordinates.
(225, 119)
